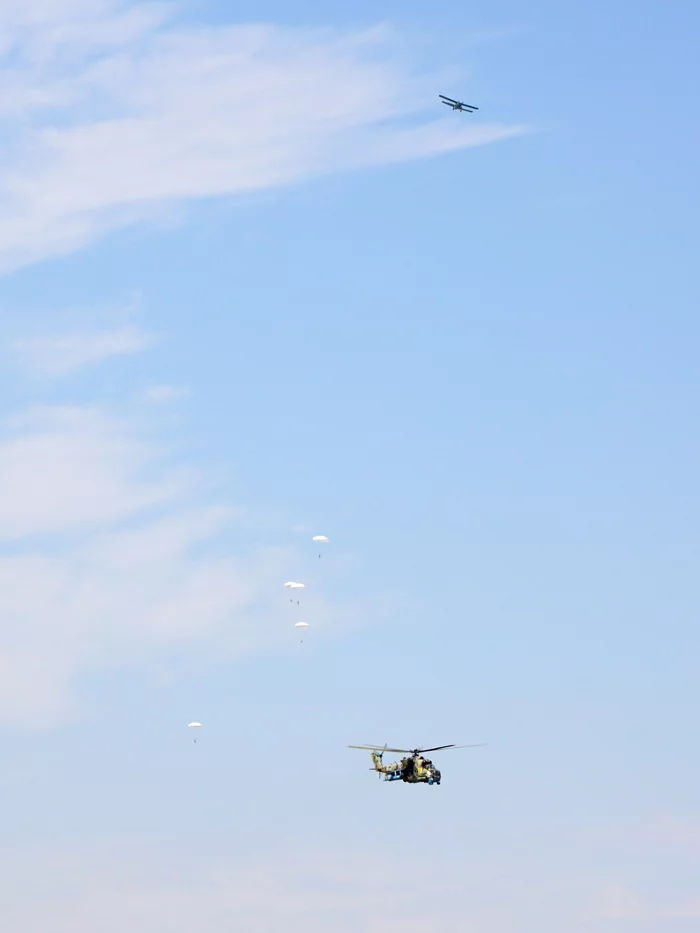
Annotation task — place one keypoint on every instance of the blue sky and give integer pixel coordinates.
(257, 284)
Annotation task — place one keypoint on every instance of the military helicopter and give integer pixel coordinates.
(457, 104)
(413, 769)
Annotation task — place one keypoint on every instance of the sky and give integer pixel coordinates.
(256, 285)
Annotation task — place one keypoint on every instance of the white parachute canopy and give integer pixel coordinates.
(195, 725)
(301, 625)
(291, 585)
(320, 538)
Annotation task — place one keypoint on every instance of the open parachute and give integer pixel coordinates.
(195, 725)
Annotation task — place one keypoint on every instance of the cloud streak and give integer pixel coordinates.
(109, 558)
(66, 469)
(60, 354)
(164, 394)
(140, 884)
(113, 110)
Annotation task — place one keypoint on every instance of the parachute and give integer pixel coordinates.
(291, 585)
(320, 539)
(195, 725)
(301, 626)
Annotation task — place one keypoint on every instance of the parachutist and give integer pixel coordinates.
(195, 725)
(320, 538)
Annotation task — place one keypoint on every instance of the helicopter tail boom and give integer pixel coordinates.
(377, 760)
(390, 772)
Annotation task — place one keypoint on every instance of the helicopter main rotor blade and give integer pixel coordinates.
(413, 751)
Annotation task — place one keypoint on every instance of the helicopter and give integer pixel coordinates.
(457, 104)
(414, 768)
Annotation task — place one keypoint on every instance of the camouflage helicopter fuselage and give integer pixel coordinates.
(414, 769)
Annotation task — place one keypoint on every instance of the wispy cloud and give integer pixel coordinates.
(59, 354)
(109, 557)
(146, 885)
(163, 395)
(615, 902)
(62, 469)
(664, 831)
(112, 109)
(137, 884)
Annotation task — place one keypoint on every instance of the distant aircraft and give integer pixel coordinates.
(457, 104)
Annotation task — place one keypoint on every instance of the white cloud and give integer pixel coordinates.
(113, 599)
(108, 559)
(687, 911)
(67, 468)
(669, 830)
(111, 111)
(162, 395)
(136, 885)
(615, 902)
(113, 889)
(58, 354)
(665, 830)
(389, 887)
